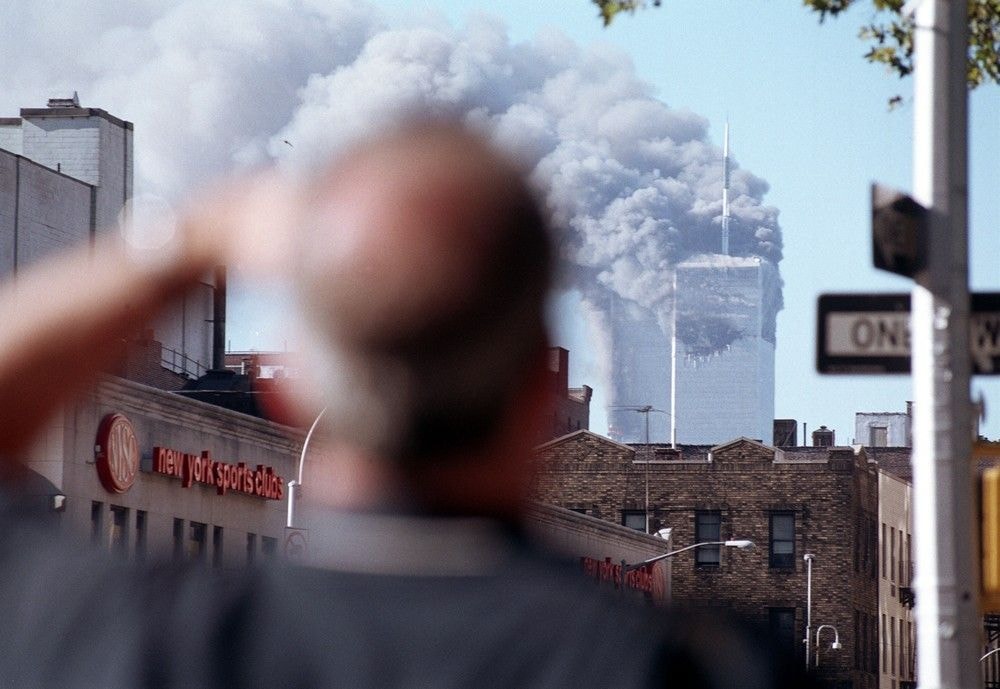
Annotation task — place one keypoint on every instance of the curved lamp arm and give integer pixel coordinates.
(295, 484)
(741, 544)
(989, 653)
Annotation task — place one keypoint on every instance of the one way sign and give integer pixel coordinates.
(870, 333)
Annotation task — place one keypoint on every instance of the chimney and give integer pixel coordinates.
(219, 319)
(559, 367)
(823, 437)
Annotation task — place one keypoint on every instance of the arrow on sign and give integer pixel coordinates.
(870, 333)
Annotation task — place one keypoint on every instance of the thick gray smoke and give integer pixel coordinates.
(634, 185)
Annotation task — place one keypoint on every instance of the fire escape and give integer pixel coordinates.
(991, 665)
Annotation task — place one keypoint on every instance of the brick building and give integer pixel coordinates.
(571, 409)
(789, 501)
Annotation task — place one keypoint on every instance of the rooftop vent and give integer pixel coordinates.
(73, 102)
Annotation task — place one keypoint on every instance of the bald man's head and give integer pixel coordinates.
(424, 273)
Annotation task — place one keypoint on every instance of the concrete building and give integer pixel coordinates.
(884, 429)
(151, 474)
(823, 501)
(723, 353)
(65, 174)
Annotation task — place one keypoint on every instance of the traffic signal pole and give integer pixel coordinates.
(947, 588)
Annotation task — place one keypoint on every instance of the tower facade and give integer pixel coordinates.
(722, 351)
(640, 360)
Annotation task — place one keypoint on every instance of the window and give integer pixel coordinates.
(96, 522)
(902, 562)
(909, 561)
(783, 540)
(892, 553)
(707, 528)
(892, 645)
(781, 623)
(883, 549)
(634, 519)
(885, 643)
(196, 542)
(251, 548)
(904, 645)
(878, 436)
(269, 546)
(178, 538)
(119, 529)
(217, 546)
(140, 535)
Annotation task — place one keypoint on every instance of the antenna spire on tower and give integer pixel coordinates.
(725, 192)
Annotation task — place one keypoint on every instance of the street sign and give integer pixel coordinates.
(870, 333)
(899, 232)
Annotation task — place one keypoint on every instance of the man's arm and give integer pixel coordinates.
(63, 320)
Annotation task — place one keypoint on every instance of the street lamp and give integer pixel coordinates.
(836, 640)
(626, 568)
(808, 557)
(645, 409)
(295, 484)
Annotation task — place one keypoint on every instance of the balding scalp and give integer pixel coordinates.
(424, 275)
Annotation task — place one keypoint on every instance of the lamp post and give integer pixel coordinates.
(295, 484)
(626, 568)
(836, 640)
(808, 557)
(645, 409)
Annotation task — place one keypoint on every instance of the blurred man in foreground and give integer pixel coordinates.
(422, 265)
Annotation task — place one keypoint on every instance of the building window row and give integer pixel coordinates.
(115, 533)
(897, 563)
(897, 647)
(190, 538)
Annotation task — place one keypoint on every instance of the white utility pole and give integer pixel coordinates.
(947, 589)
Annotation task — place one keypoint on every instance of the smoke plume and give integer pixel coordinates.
(634, 186)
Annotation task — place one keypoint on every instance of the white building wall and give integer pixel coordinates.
(53, 212)
(186, 327)
(896, 621)
(114, 172)
(8, 210)
(70, 145)
(897, 425)
(10, 134)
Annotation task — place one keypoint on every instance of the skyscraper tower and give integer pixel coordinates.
(722, 344)
(704, 358)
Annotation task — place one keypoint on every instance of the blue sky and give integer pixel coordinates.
(809, 115)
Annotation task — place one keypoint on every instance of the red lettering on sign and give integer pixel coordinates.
(640, 579)
(224, 476)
